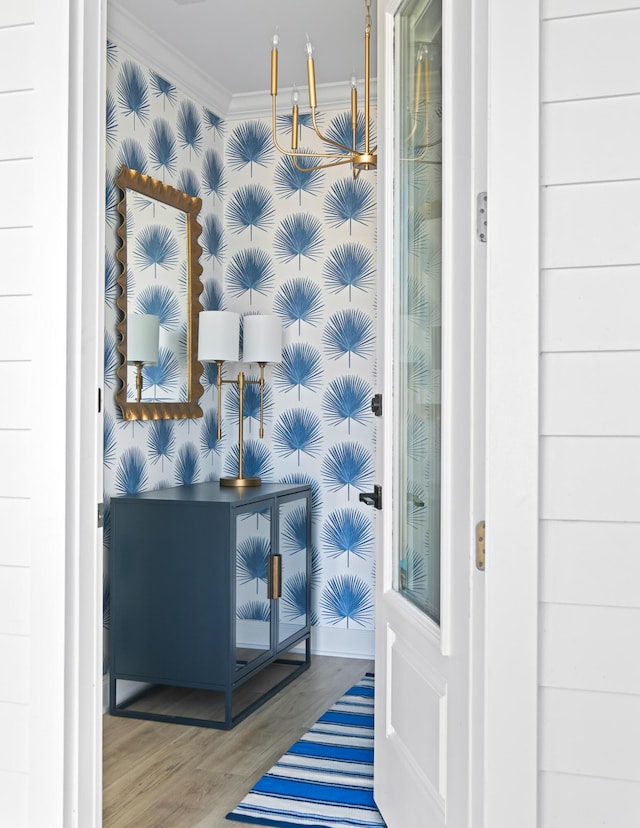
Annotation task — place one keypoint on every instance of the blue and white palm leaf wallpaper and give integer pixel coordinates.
(111, 273)
(347, 399)
(212, 298)
(111, 360)
(189, 127)
(131, 473)
(189, 183)
(295, 177)
(214, 122)
(163, 89)
(297, 431)
(349, 200)
(256, 459)
(212, 238)
(133, 92)
(250, 271)
(275, 240)
(299, 300)
(349, 333)
(348, 465)
(349, 266)
(161, 441)
(250, 207)
(111, 119)
(214, 180)
(187, 468)
(347, 598)
(348, 532)
(250, 144)
(301, 367)
(132, 155)
(299, 235)
(210, 444)
(111, 199)
(163, 152)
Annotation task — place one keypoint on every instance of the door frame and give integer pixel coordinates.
(83, 702)
(511, 618)
(512, 465)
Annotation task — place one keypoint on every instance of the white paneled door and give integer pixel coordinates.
(432, 266)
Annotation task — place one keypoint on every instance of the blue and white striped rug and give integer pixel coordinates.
(326, 779)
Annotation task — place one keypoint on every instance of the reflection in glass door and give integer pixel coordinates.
(253, 606)
(294, 531)
(418, 303)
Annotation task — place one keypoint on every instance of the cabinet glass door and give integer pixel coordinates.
(293, 539)
(253, 607)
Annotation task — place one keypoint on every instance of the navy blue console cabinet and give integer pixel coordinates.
(209, 586)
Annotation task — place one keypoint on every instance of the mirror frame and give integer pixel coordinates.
(128, 179)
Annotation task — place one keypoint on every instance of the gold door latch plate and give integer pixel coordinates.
(480, 545)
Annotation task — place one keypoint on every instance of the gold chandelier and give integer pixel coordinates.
(339, 153)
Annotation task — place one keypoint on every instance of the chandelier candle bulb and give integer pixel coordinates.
(311, 76)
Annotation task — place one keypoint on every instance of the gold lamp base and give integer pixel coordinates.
(240, 482)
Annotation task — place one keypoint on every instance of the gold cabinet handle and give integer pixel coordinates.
(274, 587)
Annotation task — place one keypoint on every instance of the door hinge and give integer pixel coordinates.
(100, 515)
(480, 545)
(99, 400)
(376, 405)
(481, 217)
(373, 498)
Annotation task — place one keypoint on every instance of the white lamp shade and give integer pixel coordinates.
(262, 339)
(219, 336)
(143, 336)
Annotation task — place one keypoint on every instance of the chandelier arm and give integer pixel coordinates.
(345, 160)
(296, 153)
(326, 140)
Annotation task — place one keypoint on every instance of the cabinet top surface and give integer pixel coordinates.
(213, 492)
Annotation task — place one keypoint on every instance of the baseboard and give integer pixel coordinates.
(338, 641)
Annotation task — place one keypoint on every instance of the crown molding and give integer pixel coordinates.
(127, 31)
(154, 52)
(329, 96)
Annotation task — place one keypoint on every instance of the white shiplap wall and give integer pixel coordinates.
(590, 415)
(16, 219)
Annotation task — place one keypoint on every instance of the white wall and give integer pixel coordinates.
(589, 700)
(48, 282)
(16, 289)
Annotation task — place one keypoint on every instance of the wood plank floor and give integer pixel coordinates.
(160, 775)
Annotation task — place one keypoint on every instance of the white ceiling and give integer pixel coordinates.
(230, 42)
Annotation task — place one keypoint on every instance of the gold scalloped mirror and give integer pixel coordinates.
(160, 258)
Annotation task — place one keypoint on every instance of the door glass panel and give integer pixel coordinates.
(294, 533)
(253, 608)
(417, 316)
